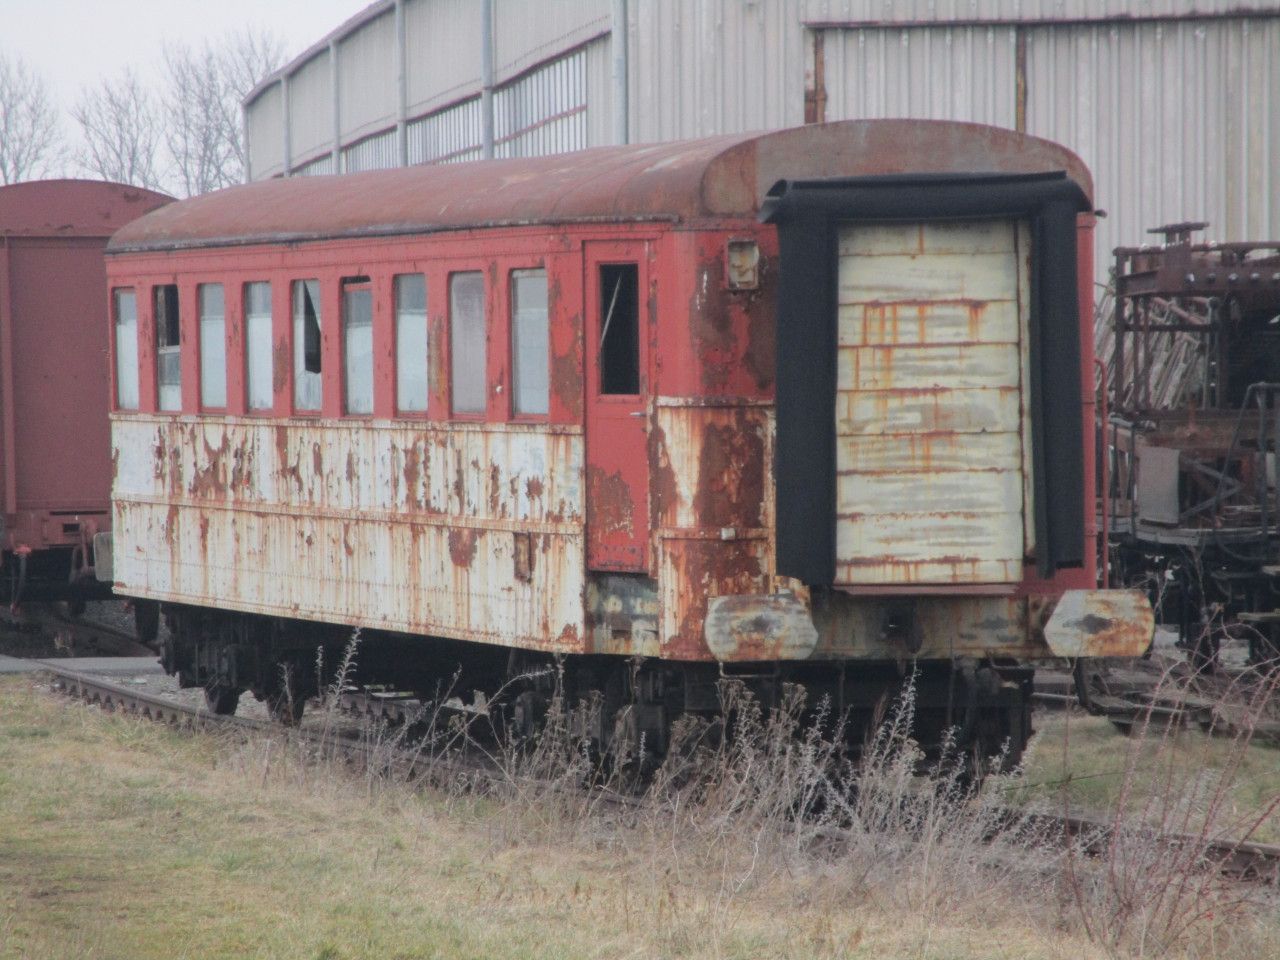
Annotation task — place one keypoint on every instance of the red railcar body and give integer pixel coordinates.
(55, 444)
(701, 458)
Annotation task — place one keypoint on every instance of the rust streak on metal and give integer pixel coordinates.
(462, 546)
(610, 499)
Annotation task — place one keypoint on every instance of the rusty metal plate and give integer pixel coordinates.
(1100, 623)
(769, 627)
(413, 528)
(930, 491)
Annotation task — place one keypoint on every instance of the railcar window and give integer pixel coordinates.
(411, 343)
(619, 329)
(529, 341)
(168, 346)
(257, 339)
(126, 317)
(467, 348)
(306, 345)
(357, 326)
(213, 347)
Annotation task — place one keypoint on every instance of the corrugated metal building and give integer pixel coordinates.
(1174, 104)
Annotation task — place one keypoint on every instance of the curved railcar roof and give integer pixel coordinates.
(682, 181)
(72, 208)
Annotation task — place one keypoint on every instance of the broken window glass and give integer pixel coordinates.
(619, 329)
(168, 347)
(306, 345)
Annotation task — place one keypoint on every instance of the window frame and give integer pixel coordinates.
(483, 270)
(244, 284)
(201, 406)
(597, 336)
(116, 406)
(157, 290)
(294, 279)
(362, 282)
(394, 275)
(512, 355)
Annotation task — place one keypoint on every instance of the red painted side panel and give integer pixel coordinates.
(726, 347)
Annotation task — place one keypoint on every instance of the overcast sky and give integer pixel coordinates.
(72, 43)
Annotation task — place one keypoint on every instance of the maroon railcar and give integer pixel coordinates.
(55, 444)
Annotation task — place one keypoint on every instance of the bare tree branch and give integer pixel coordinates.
(121, 132)
(194, 131)
(203, 130)
(30, 143)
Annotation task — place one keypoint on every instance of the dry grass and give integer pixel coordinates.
(120, 838)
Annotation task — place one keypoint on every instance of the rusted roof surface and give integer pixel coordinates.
(72, 208)
(682, 181)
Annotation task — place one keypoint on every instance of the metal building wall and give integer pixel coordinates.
(443, 52)
(701, 67)
(881, 12)
(1178, 117)
(526, 34)
(367, 98)
(311, 108)
(941, 73)
(1178, 121)
(263, 125)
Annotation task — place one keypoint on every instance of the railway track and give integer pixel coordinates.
(77, 635)
(1241, 860)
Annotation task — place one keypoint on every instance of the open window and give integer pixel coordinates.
(619, 329)
(168, 347)
(529, 345)
(125, 306)
(306, 346)
(411, 343)
(357, 336)
(213, 347)
(257, 346)
(468, 355)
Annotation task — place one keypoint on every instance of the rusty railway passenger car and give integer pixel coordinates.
(55, 448)
(800, 406)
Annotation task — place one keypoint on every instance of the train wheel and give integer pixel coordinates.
(285, 709)
(221, 700)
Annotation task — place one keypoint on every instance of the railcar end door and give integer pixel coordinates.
(617, 335)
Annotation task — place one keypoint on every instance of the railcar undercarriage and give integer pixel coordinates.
(985, 705)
